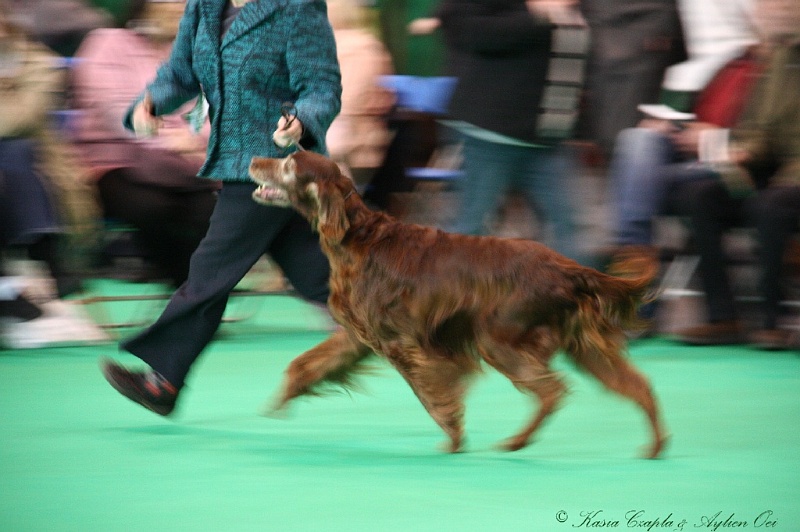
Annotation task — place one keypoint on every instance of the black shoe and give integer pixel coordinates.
(21, 309)
(716, 333)
(147, 388)
(772, 339)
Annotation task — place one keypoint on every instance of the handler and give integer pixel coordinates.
(247, 58)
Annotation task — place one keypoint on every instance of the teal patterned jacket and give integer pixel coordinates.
(275, 51)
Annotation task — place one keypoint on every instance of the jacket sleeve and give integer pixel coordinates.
(770, 130)
(175, 82)
(313, 70)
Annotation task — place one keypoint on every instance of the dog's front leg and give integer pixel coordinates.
(334, 361)
(439, 380)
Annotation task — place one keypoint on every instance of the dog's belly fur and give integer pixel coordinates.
(445, 321)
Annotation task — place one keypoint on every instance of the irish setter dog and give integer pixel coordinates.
(435, 304)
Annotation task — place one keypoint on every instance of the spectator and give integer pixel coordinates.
(359, 135)
(34, 161)
(633, 43)
(640, 153)
(413, 54)
(513, 106)
(758, 183)
(30, 316)
(150, 184)
(760, 187)
(716, 32)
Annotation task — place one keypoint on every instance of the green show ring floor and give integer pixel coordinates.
(77, 456)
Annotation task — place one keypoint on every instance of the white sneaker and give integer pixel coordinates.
(61, 324)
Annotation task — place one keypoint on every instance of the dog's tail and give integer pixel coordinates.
(635, 270)
(615, 297)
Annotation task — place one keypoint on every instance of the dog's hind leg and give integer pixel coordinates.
(549, 389)
(440, 383)
(528, 370)
(618, 375)
(331, 362)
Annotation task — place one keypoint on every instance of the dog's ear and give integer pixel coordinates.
(332, 222)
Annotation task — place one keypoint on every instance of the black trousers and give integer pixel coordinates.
(240, 232)
(774, 212)
(27, 210)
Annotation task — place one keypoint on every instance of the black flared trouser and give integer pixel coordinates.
(240, 232)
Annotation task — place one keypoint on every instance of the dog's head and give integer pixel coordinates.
(309, 182)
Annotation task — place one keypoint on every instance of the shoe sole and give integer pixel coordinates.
(105, 367)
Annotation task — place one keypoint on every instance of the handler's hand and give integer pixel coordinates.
(285, 135)
(145, 124)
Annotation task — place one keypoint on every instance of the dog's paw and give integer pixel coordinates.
(656, 448)
(452, 447)
(512, 444)
(275, 410)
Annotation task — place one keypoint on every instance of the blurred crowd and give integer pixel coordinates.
(677, 108)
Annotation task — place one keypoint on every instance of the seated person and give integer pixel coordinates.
(150, 184)
(713, 84)
(760, 187)
(36, 218)
(30, 316)
(30, 219)
(640, 154)
(724, 71)
(752, 181)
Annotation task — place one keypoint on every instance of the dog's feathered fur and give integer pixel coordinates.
(435, 304)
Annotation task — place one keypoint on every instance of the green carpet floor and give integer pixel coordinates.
(77, 456)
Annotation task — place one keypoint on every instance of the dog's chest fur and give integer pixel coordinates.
(373, 292)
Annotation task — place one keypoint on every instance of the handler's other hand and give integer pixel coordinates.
(145, 124)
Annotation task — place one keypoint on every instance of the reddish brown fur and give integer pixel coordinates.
(435, 304)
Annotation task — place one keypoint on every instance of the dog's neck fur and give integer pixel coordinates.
(365, 226)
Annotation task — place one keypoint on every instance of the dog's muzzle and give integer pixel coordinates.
(269, 195)
(263, 171)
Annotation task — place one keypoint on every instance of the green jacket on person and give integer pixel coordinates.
(275, 51)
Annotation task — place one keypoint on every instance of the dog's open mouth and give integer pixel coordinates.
(269, 195)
